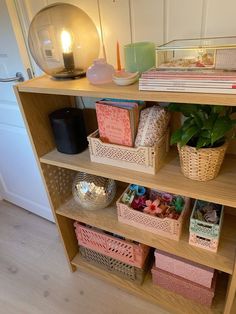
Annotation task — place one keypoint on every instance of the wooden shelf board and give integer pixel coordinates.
(81, 87)
(106, 219)
(169, 178)
(166, 299)
(233, 310)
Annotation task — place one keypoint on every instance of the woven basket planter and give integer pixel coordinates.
(201, 164)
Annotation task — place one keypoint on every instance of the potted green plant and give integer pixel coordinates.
(202, 139)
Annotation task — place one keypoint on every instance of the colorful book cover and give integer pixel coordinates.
(132, 105)
(114, 124)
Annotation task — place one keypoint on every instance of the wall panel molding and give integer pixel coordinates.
(152, 20)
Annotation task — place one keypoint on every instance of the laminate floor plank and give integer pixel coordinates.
(35, 279)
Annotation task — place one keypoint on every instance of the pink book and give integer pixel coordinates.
(114, 124)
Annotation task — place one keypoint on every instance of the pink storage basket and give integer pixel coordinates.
(166, 227)
(142, 159)
(184, 287)
(210, 244)
(184, 268)
(127, 252)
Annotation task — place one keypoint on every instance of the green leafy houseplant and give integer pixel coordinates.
(205, 126)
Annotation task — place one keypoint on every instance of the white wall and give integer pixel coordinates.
(153, 20)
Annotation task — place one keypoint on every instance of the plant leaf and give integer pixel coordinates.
(188, 134)
(176, 137)
(186, 109)
(218, 109)
(205, 133)
(206, 108)
(208, 125)
(199, 118)
(203, 142)
(187, 123)
(221, 127)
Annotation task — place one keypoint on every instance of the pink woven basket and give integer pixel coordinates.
(127, 252)
(143, 159)
(210, 244)
(166, 227)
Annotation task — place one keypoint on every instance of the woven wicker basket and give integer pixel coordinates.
(201, 164)
(115, 266)
(143, 159)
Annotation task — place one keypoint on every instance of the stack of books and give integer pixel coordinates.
(118, 121)
(201, 81)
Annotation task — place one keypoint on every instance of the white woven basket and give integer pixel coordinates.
(143, 159)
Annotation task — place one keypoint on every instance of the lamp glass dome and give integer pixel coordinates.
(63, 40)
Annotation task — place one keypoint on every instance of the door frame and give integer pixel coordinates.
(15, 11)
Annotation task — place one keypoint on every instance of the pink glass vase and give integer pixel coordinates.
(100, 72)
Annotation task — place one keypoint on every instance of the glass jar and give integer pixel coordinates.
(100, 72)
(139, 56)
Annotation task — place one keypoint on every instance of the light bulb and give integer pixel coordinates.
(66, 41)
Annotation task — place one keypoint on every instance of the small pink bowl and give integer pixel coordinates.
(125, 75)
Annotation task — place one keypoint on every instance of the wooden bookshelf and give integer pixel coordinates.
(82, 87)
(152, 293)
(39, 97)
(106, 219)
(169, 177)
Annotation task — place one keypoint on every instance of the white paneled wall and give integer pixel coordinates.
(115, 23)
(147, 19)
(220, 18)
(183, 18)
(153, 20)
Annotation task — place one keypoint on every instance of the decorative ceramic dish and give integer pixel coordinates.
(125, 78)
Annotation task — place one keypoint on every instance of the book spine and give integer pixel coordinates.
(177, 79)
(188, 84)
(188, 89)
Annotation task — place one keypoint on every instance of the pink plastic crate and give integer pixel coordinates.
(184, 268)
(167, 227)
(209, 244)
(184, 287)
(127, 252)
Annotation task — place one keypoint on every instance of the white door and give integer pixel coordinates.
(20, 180)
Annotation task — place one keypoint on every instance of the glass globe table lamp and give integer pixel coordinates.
(63, 40)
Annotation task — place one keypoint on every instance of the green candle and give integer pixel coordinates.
(139, 56)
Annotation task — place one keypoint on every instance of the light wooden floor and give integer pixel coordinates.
(35, 279)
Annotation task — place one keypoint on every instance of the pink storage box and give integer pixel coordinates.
(166, 227)
(184, 268)
(184, 287)
(127, 252)
(210, 244)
